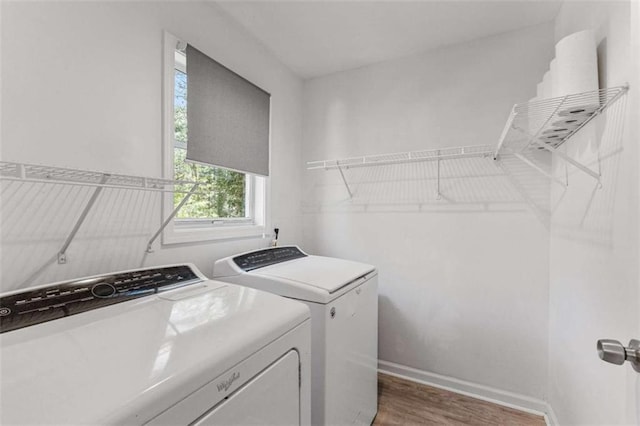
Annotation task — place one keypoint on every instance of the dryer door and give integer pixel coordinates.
(271, 398)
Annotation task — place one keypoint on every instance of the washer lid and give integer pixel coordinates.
(318, 272)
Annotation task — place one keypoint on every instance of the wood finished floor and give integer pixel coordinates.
(401, 402)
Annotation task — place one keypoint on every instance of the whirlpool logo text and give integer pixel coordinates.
(226, 384)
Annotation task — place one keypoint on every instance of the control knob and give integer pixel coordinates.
(103, 290)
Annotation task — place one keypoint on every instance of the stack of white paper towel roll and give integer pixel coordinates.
(574, 70)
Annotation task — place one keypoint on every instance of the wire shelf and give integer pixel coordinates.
(548, 123)
(404, 157)
(544, 124)
(98, 180)
(59, 175)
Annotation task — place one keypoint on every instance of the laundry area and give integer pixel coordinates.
(320, 212)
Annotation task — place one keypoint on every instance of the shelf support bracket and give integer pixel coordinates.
(539, 169)
(438, 193)
(168, 220)
(571, 161)
(62, 253)
(503, 136)
(344, 180)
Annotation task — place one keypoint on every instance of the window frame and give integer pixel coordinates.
(180, 231)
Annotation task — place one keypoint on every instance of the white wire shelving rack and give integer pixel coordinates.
(544, 125)
(548, 123)
(402, 158)
(22, 172)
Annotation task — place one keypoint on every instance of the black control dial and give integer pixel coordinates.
(103, 290)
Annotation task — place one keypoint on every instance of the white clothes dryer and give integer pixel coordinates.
(162, 345)
(343, 298)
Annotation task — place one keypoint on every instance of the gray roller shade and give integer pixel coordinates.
(227, 117)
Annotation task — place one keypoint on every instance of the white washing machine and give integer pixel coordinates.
(343, 299)
(153, 346)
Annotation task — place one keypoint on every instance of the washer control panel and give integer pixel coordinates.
(47, 303)
(261, 258)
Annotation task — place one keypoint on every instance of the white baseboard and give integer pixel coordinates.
(550, 416)
(474, 390)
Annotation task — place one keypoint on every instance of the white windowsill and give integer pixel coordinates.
(176, 234)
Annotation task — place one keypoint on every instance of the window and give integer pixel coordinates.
(228, 203)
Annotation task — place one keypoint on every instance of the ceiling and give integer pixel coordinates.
(315, 38)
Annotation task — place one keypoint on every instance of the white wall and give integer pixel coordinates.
(633, 382)
(464, 279)
(594, 284)
(81, 88)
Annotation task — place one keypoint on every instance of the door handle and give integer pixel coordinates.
(614, 352)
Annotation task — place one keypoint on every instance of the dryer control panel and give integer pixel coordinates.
(261, 258)
(47, 303)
